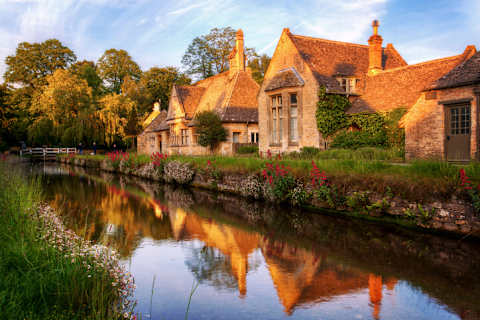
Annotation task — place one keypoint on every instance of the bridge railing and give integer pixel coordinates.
(46, 153)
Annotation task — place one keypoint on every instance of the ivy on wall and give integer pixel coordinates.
(375, 129)
(330, 114)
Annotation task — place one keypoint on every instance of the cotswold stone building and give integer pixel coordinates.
(374, 77)
(443, 122)
(232, 94)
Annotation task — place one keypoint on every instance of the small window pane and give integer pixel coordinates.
(293, 99)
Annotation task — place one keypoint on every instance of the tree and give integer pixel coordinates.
(209, 129)
(259, 66)
(207, 55)
(330, 113)
(63, 98)
(34, 61)
(155, 84)
(114, 65)
(114, 114)
(86, 70)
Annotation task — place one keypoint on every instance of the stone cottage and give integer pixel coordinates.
(447, 113)
(375, 78)
(232, 94)
(149, 140)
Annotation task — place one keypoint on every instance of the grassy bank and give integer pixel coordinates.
(47, 272)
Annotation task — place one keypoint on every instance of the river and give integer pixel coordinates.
(250, 260)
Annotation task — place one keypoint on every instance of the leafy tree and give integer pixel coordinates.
(155, 84)
(330, 113)
(259, 65)
(114, 113)
(114, 65)
(34, 61)
(63, 98)
(209, 129)
(86, 70)
(207, 55)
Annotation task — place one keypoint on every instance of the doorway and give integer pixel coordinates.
(458, 126)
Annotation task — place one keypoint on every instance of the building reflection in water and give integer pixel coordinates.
(301, 277)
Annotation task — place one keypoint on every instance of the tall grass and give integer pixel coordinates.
(37, 281)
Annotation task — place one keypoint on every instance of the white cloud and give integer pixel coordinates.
(188, 8)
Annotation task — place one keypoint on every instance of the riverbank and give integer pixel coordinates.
(435, 196)
(47, 271)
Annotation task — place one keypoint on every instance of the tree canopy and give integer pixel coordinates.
(114, 113)
(34, 61)
(209, 128)
(207, 55)
(86, 70)
(259, 65)
(155, 84)
(114, 65)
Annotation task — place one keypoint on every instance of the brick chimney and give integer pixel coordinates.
(237, 56)
(375, 50)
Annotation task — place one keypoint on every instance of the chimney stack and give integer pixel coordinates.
(375, 50)
(237, 56)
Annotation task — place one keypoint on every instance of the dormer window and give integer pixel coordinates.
(347, 83)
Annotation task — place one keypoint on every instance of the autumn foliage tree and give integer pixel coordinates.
(114, 113)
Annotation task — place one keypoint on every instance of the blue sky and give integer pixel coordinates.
(157, 32)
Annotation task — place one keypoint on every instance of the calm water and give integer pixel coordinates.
(253, 261)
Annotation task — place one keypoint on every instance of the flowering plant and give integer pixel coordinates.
(159, 159)
(325, 191)
(212, 170)
(279, 180)
(472, 190)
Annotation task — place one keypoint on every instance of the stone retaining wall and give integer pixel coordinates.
(454, 216)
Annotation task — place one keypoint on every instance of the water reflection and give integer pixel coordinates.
(316, 265)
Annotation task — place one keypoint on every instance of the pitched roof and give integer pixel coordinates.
(158, 123)
(466, 73)
(285, 78)
(327, 58)
(189, 97)
(401, 87)
(243, 92)
(239, 115)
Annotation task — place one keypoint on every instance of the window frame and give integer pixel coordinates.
(293, 106)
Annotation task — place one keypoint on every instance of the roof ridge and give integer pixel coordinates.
(227, 101)
(418, 64)
(332, 41)
(211, 77)
(180, 99)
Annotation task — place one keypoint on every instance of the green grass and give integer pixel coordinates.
(344, 164)
(36, 280)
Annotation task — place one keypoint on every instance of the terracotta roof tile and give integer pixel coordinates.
(239, 115)
(244, 91)
(464, 74)
(158, 123)
(189, 97)
(327, 58)
(285, 78)
(401, 87)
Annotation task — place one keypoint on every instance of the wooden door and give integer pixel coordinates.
(458, 129)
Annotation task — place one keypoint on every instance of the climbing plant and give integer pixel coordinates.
(331, 116)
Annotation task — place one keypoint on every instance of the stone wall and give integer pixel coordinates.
(286, 55)
(425, 123)
(452, 215)
(148, 142)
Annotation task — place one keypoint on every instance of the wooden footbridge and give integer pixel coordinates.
(45, 154)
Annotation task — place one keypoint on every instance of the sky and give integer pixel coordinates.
(157, 32)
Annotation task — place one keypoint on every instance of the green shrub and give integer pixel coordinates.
(358, 139)
(247, 149)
